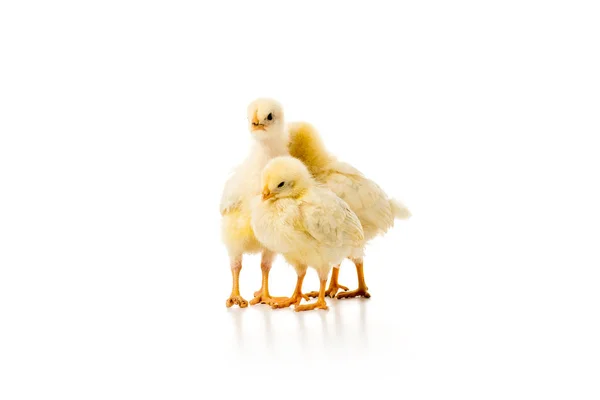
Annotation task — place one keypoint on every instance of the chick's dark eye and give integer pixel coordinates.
(281, 184)
(270, 116)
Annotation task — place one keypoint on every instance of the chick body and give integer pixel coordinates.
(308, 224)
(375, 210)
(236, 229)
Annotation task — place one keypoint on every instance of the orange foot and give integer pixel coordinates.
(236, 299)
(330, 292)
(265, 298)
(354, 293)
(284, 302)
(320, 304)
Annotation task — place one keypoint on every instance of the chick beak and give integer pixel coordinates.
(266, 194)
(256, 125)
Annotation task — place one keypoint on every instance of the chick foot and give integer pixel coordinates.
(236, 299)
(262, 295)
(284, 302)
(265, 298)
(334, 286)
(330, 292)
(360, 292)
(362, 286)
(297, 296)
(320, 304)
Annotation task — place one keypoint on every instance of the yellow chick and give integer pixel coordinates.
(375, 210)
(267, 126)
(306, 223)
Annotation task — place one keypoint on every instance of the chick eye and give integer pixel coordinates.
(270, 116)
(281, 184)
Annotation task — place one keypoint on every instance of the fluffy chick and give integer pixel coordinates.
(375, 210)
(267, 126)
(306, 223)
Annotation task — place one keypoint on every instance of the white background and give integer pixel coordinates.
(120, 121)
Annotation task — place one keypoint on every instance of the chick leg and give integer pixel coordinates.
(297, 296)
(235, 297)
(262, 295)
(334, 286)
(320, 303)
(362, 286)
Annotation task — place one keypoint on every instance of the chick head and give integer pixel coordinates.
(283, 177)
(265, 118)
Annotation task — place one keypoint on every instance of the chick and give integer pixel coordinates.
(306, 223)
(375, 210)
(267, 126)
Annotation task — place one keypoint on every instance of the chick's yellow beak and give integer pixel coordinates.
(256, 125)
(266, 193)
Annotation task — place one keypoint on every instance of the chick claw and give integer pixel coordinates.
(239, 300)
(322, 305)
(261, 298)
(354, 293)
(284, 302)
(330, 292)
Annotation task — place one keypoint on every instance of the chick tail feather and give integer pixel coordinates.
(399, 210)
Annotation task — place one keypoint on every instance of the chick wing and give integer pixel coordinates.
(365, 198)
(231, 199)
(331, 222)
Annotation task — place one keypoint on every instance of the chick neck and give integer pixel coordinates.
(307, 146)
(274, 146)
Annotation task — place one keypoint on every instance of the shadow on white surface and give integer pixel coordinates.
(342, 329)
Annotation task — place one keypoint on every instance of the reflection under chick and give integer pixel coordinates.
(236, 317)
